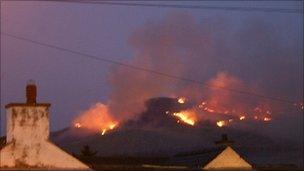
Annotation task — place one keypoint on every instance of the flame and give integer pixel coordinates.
(110, 127)
(185, 116)
(77, 125)
(242, 117)
(181, 100)
(267, 119)
(221, 123)
(97, 118)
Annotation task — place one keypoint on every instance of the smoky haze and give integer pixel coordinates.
(252, 58)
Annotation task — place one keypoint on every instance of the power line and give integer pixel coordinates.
(180, 6)
(147, 70)
(183, 6)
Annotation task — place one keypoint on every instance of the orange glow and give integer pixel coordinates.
(110, 127)
(255, 117)
(267, 119)
(103, 131)
(221, 123)
(242, 118)
(97, 118)
(186, 117)
(210, 110)
(77, 125)
(181, 100)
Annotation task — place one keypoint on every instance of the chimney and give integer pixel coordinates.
(224, 141)
(27, 138)
(30, 119)
(31, 92)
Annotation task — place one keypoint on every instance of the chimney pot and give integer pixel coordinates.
(31, 92)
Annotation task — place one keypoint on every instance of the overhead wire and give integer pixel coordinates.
(184, 6)
(179, 6)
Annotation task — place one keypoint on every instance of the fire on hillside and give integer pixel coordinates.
(99, 119)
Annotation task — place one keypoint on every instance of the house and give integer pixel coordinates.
(27, 144)
(223, 157)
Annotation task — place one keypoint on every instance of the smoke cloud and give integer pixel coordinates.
(252, 57)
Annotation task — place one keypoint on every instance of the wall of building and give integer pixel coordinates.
(27, 124)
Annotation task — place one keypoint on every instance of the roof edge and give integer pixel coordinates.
(27, 105)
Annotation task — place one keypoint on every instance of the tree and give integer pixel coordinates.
(87, 152)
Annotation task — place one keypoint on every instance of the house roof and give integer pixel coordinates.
(212, 159)
(228, 159)
(197, 158)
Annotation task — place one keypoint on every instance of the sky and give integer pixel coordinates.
(271, 57)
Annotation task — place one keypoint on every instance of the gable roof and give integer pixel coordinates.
(196, 158)
(228, 159)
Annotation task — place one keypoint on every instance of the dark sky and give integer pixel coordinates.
(72, 83)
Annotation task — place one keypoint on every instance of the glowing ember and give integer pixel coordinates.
(202, 104)
(185, 117)
(103, 131)
(242, 118)
(210, 110)
(112, 126)
(221, 123)
(181, 100)
(78, 125)
(267, 119)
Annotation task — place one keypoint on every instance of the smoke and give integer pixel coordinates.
(220, 97)
(171, 46)
(252, 57)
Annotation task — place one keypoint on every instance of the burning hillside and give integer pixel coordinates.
(179, 59)
(163, 111)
